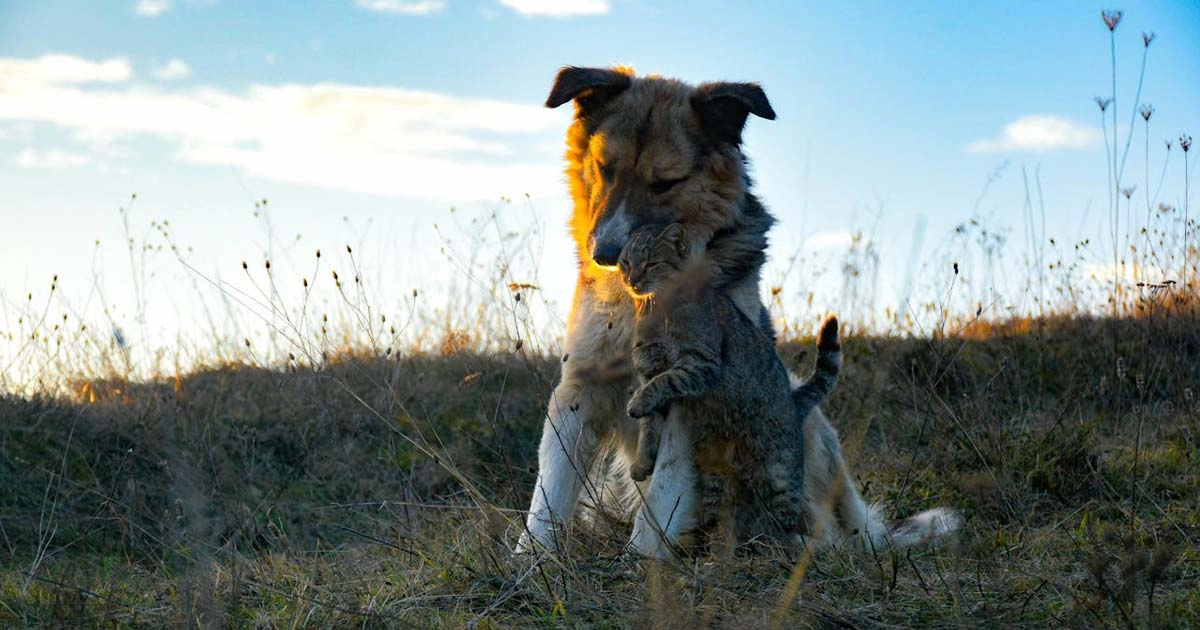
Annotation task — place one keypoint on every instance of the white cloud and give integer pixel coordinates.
(152, 8)
(60, 69)
(829, 240)
(378, 140)
(1038, 132)
(403, 7)
(53, 158)
(558, 8)
(1127, 274)
(174, 69)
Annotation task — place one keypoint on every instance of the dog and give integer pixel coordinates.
(642, 151)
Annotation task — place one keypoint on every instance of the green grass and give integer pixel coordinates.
(388, 492)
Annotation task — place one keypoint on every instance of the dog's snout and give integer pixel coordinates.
(606, 254)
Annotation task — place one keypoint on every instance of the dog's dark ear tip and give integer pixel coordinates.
(588, 86)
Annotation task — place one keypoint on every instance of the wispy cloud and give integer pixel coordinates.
(1038, 132)
(18, 74)
(53, 158)
(1108, 272)
(403, 7)
(152, 8)
(558, 8)
(385, 141)
(173, 69)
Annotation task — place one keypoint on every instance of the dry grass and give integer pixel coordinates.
(388, 492)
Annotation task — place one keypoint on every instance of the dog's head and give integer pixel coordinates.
(651, 150)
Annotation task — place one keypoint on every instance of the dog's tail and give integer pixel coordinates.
(825, 375)
(924, 528)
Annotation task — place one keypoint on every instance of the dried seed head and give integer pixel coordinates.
(1128, 192)
(268, 265)
(348, 250)
(1111, 19)
(1121, 368)
(245, 267)
(318, 253)
(1102, 102)
(1185, 142)
(956, 268)
(1146, 111)
(1147, 38)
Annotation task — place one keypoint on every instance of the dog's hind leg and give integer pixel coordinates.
(575, 422)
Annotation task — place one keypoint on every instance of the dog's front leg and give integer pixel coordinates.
(568, 448)
(670, 503)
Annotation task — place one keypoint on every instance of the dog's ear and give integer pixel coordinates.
(589, 87)
(676, 235)
(723, 108)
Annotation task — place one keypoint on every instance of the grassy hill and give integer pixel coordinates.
(388, 491)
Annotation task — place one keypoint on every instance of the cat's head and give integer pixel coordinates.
(653, 259)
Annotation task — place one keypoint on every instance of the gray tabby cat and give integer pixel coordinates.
(693, 347)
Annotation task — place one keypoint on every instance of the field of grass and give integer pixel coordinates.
(388, 492)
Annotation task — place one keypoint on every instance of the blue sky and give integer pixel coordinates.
(367, 121)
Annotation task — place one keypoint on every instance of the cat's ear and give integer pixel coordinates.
(676, 235)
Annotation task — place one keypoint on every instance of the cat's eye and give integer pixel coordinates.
(660, 186)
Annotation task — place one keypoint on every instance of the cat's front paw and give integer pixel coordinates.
(640, 405)
(641, 469)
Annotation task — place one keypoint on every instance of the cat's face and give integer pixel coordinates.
(652, 259)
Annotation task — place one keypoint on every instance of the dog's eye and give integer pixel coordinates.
(606, 170)
(660, 186)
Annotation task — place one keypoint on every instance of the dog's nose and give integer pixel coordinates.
(606, 254)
